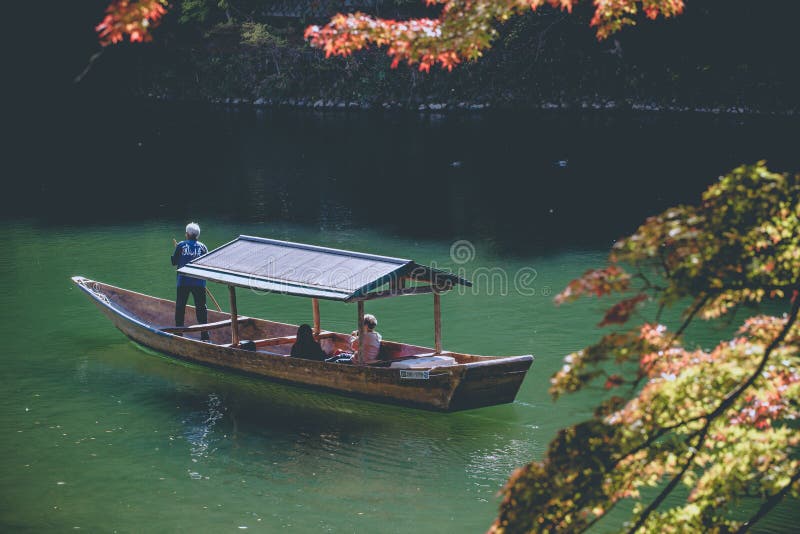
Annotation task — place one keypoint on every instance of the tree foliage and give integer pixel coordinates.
(260, 35)
(464, 28)
(131, 18)
(721, 422)
(201, 10)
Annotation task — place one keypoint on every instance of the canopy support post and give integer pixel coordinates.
(360, 330)
(234, 318)
(437, 323)
(315, 310)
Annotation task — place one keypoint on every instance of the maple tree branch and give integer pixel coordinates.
(729, 399)
(661, 307)
(696, 308)
(647, 283)
(672, 483)
(661, 431)
(689, 318)
(771, 503)
(591, 523)
(663, 260)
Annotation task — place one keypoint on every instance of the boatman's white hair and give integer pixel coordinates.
(193, 230)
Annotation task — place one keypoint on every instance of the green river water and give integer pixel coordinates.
(102, 435)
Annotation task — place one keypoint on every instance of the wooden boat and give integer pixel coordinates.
(404, 374)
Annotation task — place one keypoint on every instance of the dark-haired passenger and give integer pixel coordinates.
(306, 346)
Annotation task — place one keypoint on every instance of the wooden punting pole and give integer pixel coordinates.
(437, 323)
(234, 318)
(315, 310)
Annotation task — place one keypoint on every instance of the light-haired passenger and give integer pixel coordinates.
(369, 340)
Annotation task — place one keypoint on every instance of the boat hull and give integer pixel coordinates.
(476, 381)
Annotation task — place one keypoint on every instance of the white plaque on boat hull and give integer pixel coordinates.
(414, 375)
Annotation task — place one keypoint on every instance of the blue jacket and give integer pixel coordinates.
(185, 252)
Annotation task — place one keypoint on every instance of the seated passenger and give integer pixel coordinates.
(371, 340)
(306, 346)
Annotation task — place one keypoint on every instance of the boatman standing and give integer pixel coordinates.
(186, 251)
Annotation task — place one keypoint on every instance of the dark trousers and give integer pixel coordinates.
(199, 294)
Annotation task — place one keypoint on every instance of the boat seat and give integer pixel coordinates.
(283, 340)
(202, 327)
(425, 361)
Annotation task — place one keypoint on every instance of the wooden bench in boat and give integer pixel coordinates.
(282, 340)
(202, 327)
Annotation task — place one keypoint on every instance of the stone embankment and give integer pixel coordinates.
(438, 107)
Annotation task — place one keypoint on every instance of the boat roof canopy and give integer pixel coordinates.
(313, 271)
